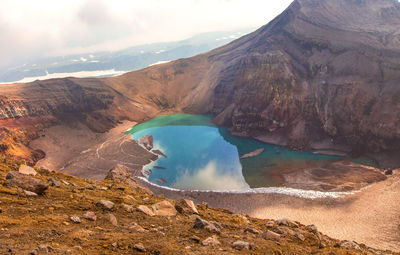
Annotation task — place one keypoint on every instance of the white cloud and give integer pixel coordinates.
(46, 27)
(209, 178)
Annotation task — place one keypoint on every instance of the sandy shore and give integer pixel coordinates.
(370, 216)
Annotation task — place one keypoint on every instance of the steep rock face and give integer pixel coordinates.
(322, 70)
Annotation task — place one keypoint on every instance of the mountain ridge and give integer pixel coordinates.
(290, 82)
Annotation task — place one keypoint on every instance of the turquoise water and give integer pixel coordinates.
(203, 156)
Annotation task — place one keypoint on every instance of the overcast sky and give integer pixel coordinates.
(59, 27)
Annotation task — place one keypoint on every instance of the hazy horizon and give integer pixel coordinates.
(33, 29)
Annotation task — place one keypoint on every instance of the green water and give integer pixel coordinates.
(206, 157)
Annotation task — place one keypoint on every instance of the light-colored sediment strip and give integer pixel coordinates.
(370, 216)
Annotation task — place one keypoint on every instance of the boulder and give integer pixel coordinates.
(211, 241)
(240, 245)
(25, 182)
(147, 142)
(164, 208)
(186, 206)
(146, 210)
(105, 205)
(270, 235)
(24, 169)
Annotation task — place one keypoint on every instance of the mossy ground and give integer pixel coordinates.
(26, 222)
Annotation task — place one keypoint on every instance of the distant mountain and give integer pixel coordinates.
(103, 64)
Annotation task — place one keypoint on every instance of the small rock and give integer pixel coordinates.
(146, 210)
(287, 222)
(160, 233)
(27, 170)
(270, 224)
(128, 208)
(25, 182)
(90, 216)
(270, 235)
(43, 248)
(212, 227)
(195, 238)
(244, 218)
(211, 241)
(89, 187)
(136, 227)
(164, 208)
(240, 245)
(112, 219)
(389, 172)
(349, 245)
(65, 182)
(299, 236)
(139, 247)
(186, 206)
(284, 230)
(105, 204)
(200, 223)
(204, 205)
(53, 182)
(30, 193)
(75, 219)
(312, 228)
(252, 230)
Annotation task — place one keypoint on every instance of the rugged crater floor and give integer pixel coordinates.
(116, 216)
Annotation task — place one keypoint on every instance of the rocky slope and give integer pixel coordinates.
(323, 74)
(116, 216)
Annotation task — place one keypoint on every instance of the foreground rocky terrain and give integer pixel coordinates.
(114, 216)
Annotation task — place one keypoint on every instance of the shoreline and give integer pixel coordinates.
(367, 216)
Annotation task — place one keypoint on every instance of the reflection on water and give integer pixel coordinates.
(205, 157)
